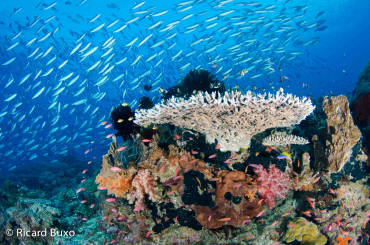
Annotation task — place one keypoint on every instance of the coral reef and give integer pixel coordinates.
(231, 202)
(305, 232)
(122, 119)
(145, 103)
(342, 132)
(278, 139)
(142, 184)
(272, 184)
(197, 80)
(232, 119)
(303, 180)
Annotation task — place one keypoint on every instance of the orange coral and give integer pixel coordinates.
(343, 241)
(117, 186)
(307, 188)
(251, 195)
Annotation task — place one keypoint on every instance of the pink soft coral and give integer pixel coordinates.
(272, 184)
(142, 184)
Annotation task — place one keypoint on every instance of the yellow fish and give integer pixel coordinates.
(131, 118)
(125, 104)
(120, 120)
(287, 154)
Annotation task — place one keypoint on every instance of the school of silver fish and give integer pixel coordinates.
(61, 79)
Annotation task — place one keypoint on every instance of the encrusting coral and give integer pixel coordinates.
(233, 118)
(342, 131)
(304, 232)
(278, 139)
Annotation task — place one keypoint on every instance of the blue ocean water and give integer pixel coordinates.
(330, 66)
(53, 113)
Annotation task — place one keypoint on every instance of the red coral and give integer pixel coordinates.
(272, 184)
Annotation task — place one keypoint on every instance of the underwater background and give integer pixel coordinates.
(184, 122)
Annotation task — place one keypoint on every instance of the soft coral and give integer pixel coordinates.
(272, 184)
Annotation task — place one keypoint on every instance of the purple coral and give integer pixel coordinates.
(272, 184)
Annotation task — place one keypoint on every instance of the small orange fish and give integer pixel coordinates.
(177, 136)
(84, 172)
(112, 199)
(311, 199)
(108, 126)
(257, 153)
(200, 184)
(183, 158)
(176, 170)
(218, 146)
(171, 192)
(162, 168)
(212, 156)
(315, 181)
(311, 204)
(92, 205)
(286, 214)
(83, 180)
(292, 225)
(190, 138)
(209, 218)
(260, 201)
(102, 188)
(121, 148)
(258, 215)
(246, 221)
(146, 140)
(87, 152)
(105, 217)
(307, 213)
(248, 238)
(83, 201)
(274, 223)
(214, 65)
(149, 233)
(138, 209)
(225, 77)
(237, 185)
(178, 177)
(89, 162)
(103, 123)
(224, 219)
(214, 179)
(331, 191)
(84, 219)
(194, 161)
(116, 169)
(109, 135)
(194, 152)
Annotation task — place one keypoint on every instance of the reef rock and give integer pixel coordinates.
(361, 98)
(230, 202)
(360, 105)
(342, 132)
